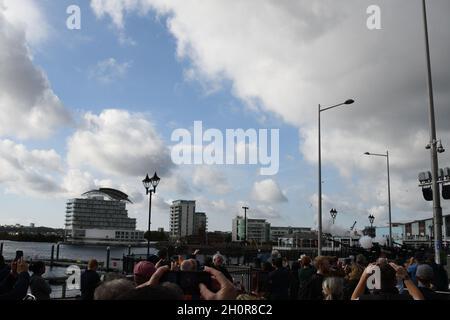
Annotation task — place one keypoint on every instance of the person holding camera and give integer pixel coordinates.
(385, 284)
(15, 285)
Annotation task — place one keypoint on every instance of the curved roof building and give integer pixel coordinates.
(112, 194)
(100, 217)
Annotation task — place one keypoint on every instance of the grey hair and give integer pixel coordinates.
(218, 255)
(110, 290)
(333, 288)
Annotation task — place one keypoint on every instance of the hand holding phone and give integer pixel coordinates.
(19, 255)
(189, 281)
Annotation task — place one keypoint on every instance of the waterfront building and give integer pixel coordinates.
(258, 230)
(100, 217)
(182, 214)
(282, 232)
(417, 232)
(200, 223)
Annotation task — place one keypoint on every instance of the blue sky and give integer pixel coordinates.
(183, 67)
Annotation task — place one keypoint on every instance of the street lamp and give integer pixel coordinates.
(389, 189)
(319, 209)
(437, 209)
(371, 220)
(333, 213)
(150, 185)
(245, 223)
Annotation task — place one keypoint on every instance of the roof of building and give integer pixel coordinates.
(113, 194)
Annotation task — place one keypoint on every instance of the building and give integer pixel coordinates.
(101, 217)
(282, 232)
(32, 225)
(258, 230)
(200, 223)
(182, 214)
(417, 232)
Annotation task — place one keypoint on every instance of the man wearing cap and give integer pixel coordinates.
(424, 276)
(143, 271)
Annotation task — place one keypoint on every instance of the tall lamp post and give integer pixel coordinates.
(150, 185)
(319, 207)
(245, 223)
(389, 190)
(437, 209)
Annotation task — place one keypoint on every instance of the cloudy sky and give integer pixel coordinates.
(96, 107)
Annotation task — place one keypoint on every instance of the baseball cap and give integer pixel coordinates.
(144, 269)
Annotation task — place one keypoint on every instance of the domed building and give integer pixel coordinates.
(100, 217)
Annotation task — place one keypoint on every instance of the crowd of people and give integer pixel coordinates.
(321, 278)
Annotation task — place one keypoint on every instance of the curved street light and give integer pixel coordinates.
(389, 190)
(319, 207)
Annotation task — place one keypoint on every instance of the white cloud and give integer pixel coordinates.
(210, 180)
(26, 15)
(268, 191)
(289, 56)
(120, 143)
(29, 171)
(29, 107)
(109, 70)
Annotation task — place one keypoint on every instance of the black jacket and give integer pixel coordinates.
(89, 282)
(19, 288)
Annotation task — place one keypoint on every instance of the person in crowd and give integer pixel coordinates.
(336, 269)
(90, 279)
(188, 265)
(113, 289)
(388, 273)
(425, 276)
(278, 282)
(305, 274)
(294, 282)
(4, 269)
(143, 270)
(15, 285)
(218, 260)
(412, 268)
(208, 262)
(163, 257)
(154, 290)
(40, 288)
(313, 289)
(356, 271)
(440, 275)
(333, 288)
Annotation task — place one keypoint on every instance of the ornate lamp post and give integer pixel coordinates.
(150, 185)
(333, 213)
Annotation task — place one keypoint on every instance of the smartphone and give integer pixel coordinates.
(19, 255)
(188, 280)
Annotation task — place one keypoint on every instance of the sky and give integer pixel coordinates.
(97, 106)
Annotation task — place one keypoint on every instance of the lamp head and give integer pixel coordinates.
(146, 182)
(155, 181)
(350, 101)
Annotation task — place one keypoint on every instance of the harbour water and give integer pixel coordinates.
(41, 250)
(38, 251)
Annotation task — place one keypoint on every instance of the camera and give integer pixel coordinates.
(19, 255)
(188, 280)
